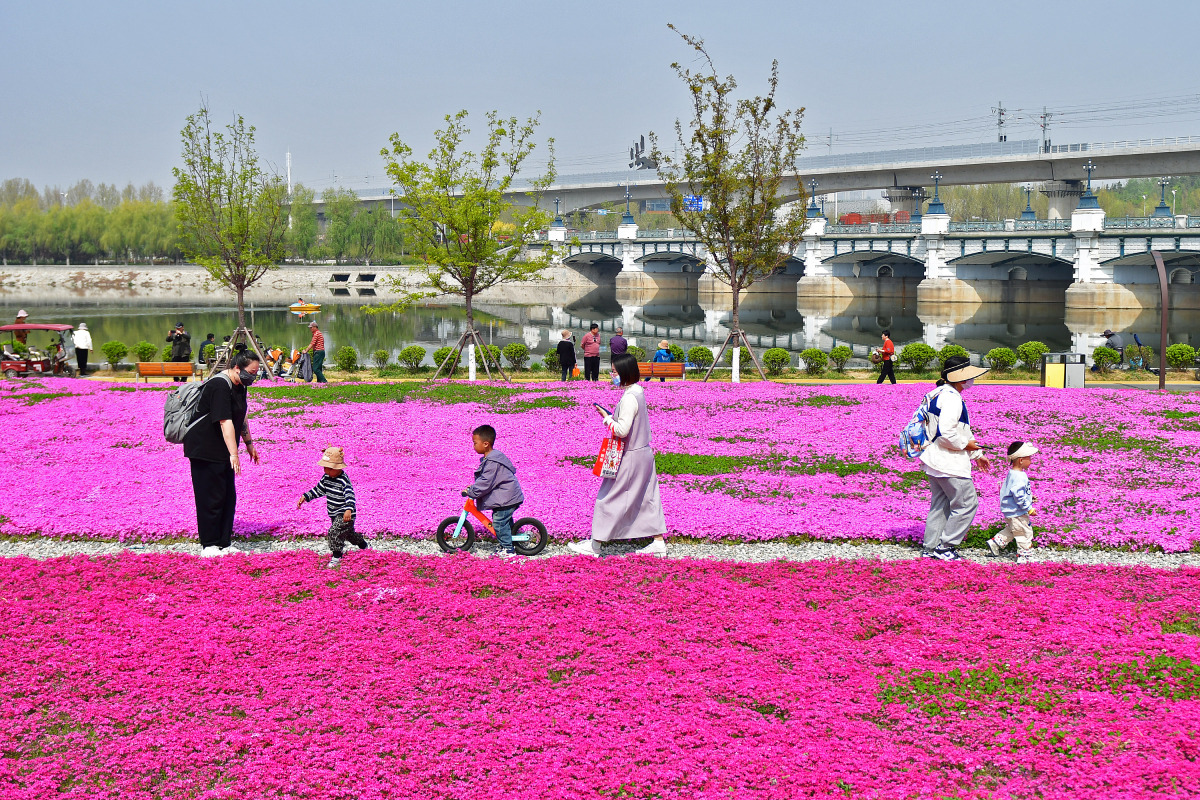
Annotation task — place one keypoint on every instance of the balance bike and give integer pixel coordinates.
(456, 534)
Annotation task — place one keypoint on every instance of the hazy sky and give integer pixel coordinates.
(100, 90)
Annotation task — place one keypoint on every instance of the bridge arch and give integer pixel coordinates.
(1182, 267)
(1182, 275)
(875, 264)
(1010, 265)
(664, 261)
(593, 259)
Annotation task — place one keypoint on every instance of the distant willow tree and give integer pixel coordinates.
(735, 155)
(230, 209)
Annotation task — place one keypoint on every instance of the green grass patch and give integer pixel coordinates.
(1097, 437)
(824, 400)
(499, 398)
(908, 480)
(1172, 677)
(1182, 623)
(687, 464)
(30, 398)
(956, 691)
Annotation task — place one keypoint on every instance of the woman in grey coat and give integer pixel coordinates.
(628, 506)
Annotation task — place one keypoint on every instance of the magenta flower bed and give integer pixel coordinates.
(424, 677)
(1118, 467)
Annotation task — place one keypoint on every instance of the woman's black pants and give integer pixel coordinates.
(216, 498)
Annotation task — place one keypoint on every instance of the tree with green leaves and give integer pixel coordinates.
(302, 222)
(736, 155)
(451, 202)
(229, 206)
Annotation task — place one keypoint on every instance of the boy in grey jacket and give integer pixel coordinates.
(496, 486)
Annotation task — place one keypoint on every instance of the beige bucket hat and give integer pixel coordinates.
(332, 458)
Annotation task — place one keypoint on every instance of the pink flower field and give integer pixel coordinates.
(402, 676)
(749, 462)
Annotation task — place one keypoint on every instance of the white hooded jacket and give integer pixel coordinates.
(950, 430)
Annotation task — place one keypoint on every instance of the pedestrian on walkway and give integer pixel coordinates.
(181, 348)
(317, 348)
(22, 318)
(566, 355)
(591, 353)
(948, 460)
(211, 445)
(628, 506)
(617, 344)
(887, 354)
(83, 346)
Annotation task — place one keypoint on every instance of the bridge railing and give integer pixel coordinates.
(1042, 225)
(976, 226)
(666, 233)
(1125, 144)
(1139, 222)
(1193, 222)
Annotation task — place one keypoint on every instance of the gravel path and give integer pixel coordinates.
(758, 552)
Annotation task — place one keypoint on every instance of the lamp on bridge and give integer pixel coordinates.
(1028, 212)
(1089, 200)
(1162, 209)
(916, 214)
(627, 218)
(936, 207)
(558, 220)
(813, 212)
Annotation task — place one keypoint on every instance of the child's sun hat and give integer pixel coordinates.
(1020, 450)
(332, 458)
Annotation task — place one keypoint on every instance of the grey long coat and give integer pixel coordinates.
(628, 506)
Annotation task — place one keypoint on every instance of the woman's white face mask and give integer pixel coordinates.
(969, 384)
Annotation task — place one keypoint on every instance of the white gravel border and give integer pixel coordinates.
(745, 553)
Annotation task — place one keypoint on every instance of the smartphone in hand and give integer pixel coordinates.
(602, 409)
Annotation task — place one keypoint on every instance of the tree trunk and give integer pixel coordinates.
(737, 297)
(241, 301)
(469, 296)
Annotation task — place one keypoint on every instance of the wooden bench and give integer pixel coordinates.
(661, 369)
(163, 369)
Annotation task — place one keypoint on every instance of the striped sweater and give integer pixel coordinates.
(338, 494)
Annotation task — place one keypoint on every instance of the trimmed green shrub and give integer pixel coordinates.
(637, 353)
(441, 354)
(776, 360)
(381, 358)
(814, 360)
(208, 351)
(1030, 354)
(1001, 359)
(700, 356)
(412, 356)
(20, 348)
(1133, 353)
(516, 354)
(676, 353)
(144, 351)
(951, 350)
(1105, 357)
(346, 358)
(917, 355)
(550, 360)
(114, 352)
(744, 357)
(536, 367)
(1181, 356)
(491, 351)
(165, 355)
(839, 356)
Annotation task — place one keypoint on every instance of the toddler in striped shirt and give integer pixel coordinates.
(339, 502)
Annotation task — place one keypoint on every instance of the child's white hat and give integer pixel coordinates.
(1020, 450)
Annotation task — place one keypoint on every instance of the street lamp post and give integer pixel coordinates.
(1172, 202)
(1161, 209)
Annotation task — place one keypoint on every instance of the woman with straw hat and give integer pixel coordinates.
(948, 460)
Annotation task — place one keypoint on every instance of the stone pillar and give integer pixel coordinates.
(1093, 287)
(1063, 197)
(935, 334)
(934, 228)
(813, 323)
(811, 254)
(902, 198)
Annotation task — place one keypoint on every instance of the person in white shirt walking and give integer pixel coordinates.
(83, 345)
(1016, 503)
(948, 460)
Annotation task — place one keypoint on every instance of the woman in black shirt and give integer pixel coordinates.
(566, 355)
(211, 446)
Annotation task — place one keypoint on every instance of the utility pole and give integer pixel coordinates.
(1044, 124)
(1000, 111)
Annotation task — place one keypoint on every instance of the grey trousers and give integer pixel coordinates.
(952, 506)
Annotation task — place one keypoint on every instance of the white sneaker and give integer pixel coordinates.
(657, 547)
(587, 547)
(994, 548)
(334, 563)
(210, 552)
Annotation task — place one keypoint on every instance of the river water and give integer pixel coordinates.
(770, 319)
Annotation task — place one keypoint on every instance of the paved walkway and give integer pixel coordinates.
(756, 552)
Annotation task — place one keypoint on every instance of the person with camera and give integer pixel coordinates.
(211, 445)
(181, 348)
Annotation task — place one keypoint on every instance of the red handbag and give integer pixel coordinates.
(609, 460)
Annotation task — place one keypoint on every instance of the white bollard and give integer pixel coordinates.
(471, 362)
(737, 364)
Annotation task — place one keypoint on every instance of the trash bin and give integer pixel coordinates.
(1064, 370)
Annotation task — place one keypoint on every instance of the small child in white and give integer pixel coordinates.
(1016, 503)
(339, 502)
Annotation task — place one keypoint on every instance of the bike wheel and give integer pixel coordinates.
(451, 543)
(538, 538)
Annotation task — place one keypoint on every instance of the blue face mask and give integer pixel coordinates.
(616, 380)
